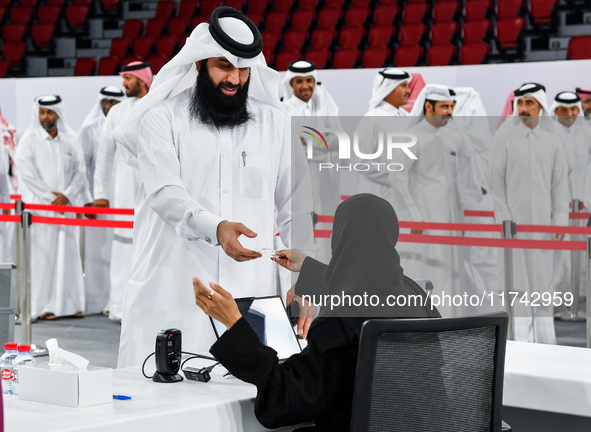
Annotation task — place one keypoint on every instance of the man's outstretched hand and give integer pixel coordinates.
(228, 233)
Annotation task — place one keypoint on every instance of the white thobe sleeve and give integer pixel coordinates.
(25, 159)
(78, 191)
(160, 171)
(499, 185)
(587, 191)
(105, 158)
(85, 141)
(367, 133)
(559, 185)
(471, 180)
(4, 165)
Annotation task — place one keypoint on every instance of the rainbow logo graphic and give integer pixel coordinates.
(317, 136)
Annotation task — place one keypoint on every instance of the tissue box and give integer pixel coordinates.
(66, 385)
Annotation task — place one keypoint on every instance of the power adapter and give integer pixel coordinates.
(195, 374)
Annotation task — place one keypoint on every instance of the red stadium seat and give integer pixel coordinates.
(442, 33)
(351, 37)
(255, 18)
(84, 66)
(380, 35)
(143, 45)
(345, 58)
(119, 47)
(208, 6)
(275, 21)
(385, 14)
(414, 13)
(375, 57)
(388, 2)
(475, 30)
(166, 45)
(177, 26)
(307, 5)
(82, 2)
(356, 16)
(42, 34)
(579, 47)
(410, 34)
(269, 56)
(282, 5)
(48, 14)
(415, 1)
(198, 20)
(187, 9)
(319, 56)
(3, 68)
(13, 32)
(328, 18)
(110, 5)
(360, 3)
(294, 39)
(257, 6)
(59, 3)
(541, 10)
(154, 27)
(333, 4)
(13, 52)
(508, 30)
(301, 20)
(132, 28)
(284, 58)
(446, 11)
(165, 9)
(407, 55)
(270, 40)
(508, 8)
(132, 58)
(158, 61)
(475, 9)
(28, 3)
(473, 53)
(5, 3)
(76, 16)
(21, 14)
(2, 12)
(107, 66)
(236, 4)
(322, 38)
(440, 55)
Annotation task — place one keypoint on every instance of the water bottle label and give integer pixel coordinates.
(8, 375)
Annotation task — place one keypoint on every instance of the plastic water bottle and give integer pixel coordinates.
(24, 358)
(10, 353)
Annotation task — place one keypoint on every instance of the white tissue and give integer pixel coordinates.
(58, 356)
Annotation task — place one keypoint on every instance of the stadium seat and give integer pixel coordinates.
(579, 47)
(3, 68)
(270, 40)
(119, 47)
(301, 20)
(508, 8)
(257, 6)
(443, 32)
(385, 14)
(473, 53)
(333, 4)
(42, 34)
(2, 13)
(415, 1)
(236, 4)
(255, 18)
(345, 58)
(388, 2)
(322, 38)
(407, 55)
(475, 30)
(413, 13)
(410, 34)
(446, 11)
(275, 21)
(198, 20)
(360, 3)
(48, 14)
(28, 3)
(187, 9)
(380, 35)
(541, 10)
(308, 5)
(154, 27)
(165, 9)
(76, 16)
(208, 6)
(475, 9)
(319, 56)
(508, 30)
(440, 54)
(132, 28)
(59, 3)
(282, 5)
(13, 32)
(110, 5)
(84, 66)
(269, 57)
(356, 16)
(143, 45)
(351, 37)
(13, 52)
(158, 61)
(166, 45)
(132, 58)
(375, 57)
(293, 40)
(177, 26)
(107, 66)
(328, 18)
(5, 3)
(284, 58)
(21, 14)
(82, 2)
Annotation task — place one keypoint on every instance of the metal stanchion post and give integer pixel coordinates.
(508, 233)
(573, 314)
(36, 350)
(18, 237)
(82, 247)
(588, 291)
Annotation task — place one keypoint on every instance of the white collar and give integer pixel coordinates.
(389, 107)
(303, 105)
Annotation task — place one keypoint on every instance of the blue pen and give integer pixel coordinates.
(121, 397)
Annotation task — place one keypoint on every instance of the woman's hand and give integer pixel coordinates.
(291, 259)
(307, 312)
(216, 302)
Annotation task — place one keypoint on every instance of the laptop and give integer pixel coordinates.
(269, 319)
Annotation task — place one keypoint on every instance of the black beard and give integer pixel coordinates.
(48, 126)
(210, 106)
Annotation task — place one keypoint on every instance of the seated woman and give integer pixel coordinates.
(317, 384)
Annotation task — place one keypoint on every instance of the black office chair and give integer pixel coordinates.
(437, 374)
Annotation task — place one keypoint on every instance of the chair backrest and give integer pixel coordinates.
(443, 374)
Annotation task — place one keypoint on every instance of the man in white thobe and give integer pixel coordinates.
(7, 167)
(530, 186)
(53, 172)
(112, 173)
(585, 95)
(5, 249)
(97, 241)
(213, 146)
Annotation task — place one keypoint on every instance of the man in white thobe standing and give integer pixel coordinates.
(97, 241)
(7, 167)
(112, 173)
(530, 186)
(52, 169)
(585, 95)
(213, 146)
